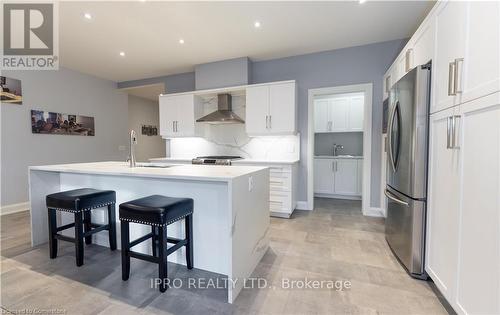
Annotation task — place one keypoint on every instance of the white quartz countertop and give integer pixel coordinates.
(173, 171)
(338, 157)
(235, 162)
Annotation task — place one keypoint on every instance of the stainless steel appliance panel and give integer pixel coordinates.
(405, 230)
(408, 133)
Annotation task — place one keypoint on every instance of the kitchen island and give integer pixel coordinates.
(230, 218)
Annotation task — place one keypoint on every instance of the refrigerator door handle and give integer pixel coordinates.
(389, 136)
(393, 198)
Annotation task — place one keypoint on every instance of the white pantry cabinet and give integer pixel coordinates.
(343, 113)
(443, 195)
(338, 177)
(463, 227)
(271, 109)
(178, 114)
(478, 130)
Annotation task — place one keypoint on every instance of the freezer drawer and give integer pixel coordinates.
(405, 231)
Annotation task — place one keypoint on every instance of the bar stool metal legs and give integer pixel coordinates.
(188, 222)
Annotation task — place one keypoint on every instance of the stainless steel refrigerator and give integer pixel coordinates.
(406, 188)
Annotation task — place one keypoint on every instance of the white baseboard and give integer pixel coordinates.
(13, 208)
(346, 197)
(302, 205)
(373, 212)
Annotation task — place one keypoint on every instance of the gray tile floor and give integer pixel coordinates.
(334, 244)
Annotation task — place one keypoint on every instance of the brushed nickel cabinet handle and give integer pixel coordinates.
(451, 77)
(449, 132)
(270, 122)
(407, 59)
(267, 122)
(454, 124)
(457, 85)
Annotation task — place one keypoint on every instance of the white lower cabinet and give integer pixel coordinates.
(338, 177)
(345, 177)
(282, 187)
(443, 196)
(463, 227)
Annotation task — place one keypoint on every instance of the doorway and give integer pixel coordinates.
(335, 115)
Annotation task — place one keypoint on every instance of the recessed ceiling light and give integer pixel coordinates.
(122, 53)
(88, 16)
(256, 24)
(362, 1)
(181, 41)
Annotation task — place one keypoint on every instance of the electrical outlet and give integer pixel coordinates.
(250, 183)
(122, 148)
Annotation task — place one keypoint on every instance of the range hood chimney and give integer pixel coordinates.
(224, 113)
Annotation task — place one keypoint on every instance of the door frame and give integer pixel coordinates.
(367, 89)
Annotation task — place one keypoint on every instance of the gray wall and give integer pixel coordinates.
(145, 112)
(175, 83)
(232, 72)
(352, 142)
(64, 91)
(354, 65)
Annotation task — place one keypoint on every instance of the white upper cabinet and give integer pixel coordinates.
(388, 80)
(339, 114)
(178, 114)
(271, 109)
(451, 20)
(257, 109)
(282, 108)
(467, 52)
(422, 50)
(481, 65)
(356, 111)
(321, 120)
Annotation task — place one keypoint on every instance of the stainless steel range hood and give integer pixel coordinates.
(224, 113)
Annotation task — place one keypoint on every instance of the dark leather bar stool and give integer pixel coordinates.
(80, 202)
(158, 212)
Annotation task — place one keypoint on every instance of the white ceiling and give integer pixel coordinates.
(149, 32)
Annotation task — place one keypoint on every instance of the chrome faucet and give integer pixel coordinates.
(133, 142)
(337, 147)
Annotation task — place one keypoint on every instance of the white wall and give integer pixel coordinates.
(64, 91)
(145, 112)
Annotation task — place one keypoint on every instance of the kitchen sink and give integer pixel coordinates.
(159, 165)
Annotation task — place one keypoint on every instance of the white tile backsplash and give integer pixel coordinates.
(232, 139)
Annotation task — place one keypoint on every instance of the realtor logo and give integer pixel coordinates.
(29, 36)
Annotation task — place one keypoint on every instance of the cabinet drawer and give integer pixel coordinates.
(280, 183)
(276, 206)
(282, 198)
(280, 179)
